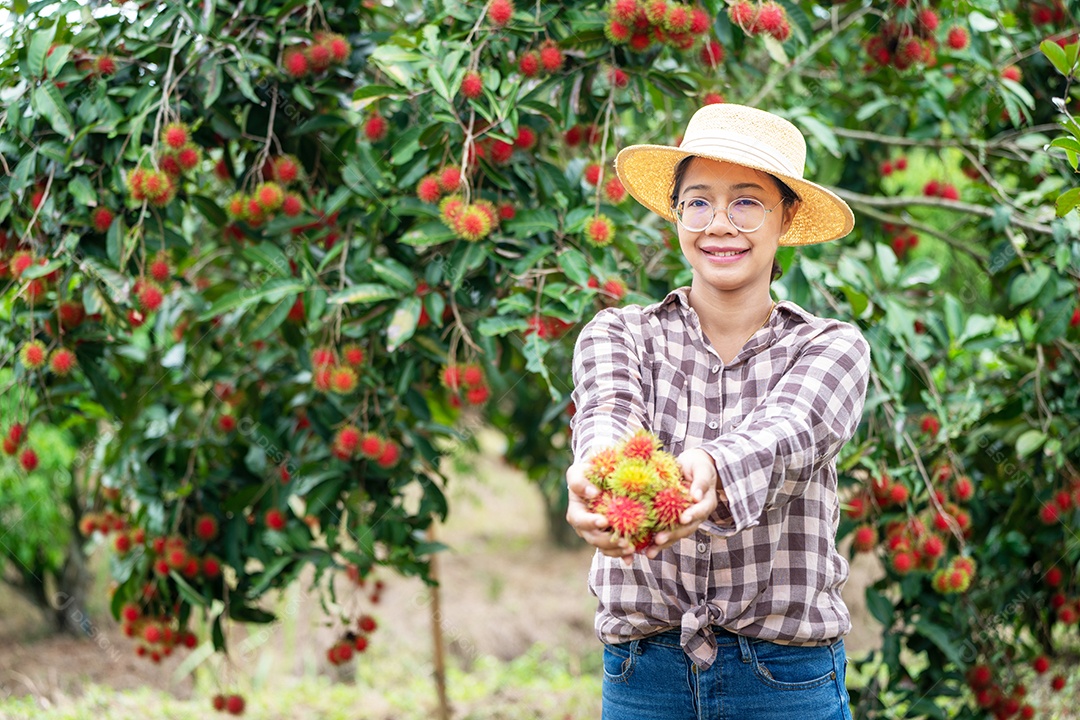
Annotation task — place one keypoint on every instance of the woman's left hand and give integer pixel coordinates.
(698, 467)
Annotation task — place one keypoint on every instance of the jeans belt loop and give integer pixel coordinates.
(744, 648)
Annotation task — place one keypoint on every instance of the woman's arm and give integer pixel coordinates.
(806, 418)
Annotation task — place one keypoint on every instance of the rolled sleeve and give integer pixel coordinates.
(607, 394)
(803, 422)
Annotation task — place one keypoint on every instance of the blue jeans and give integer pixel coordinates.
(653, 679)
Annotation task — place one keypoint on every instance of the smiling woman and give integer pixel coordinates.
(737, 612)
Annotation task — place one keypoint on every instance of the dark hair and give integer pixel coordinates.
(788, 196)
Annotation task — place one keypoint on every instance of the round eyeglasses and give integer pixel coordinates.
(746, 214)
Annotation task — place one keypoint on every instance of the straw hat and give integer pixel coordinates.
(744, 136)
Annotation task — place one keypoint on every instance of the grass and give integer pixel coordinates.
(542, 683)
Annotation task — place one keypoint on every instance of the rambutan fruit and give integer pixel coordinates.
(274, 519)
(499, 12)
(592, 173)
(743, 14)
(428, 189)
(61, 361)
(529, 64)
(472, 85)
(477, 395)
(390, 454)
(770, 17)
(616, 32)
(699, 21)
(28, 459)
(353, 354)
(319, 57)
(641, 445)
(450, 179)
(375, 128)
(526, 138)
(32, 354)
(292, 205)
(102, 219)
(712, 54)
(669, 505)
(188, 157)
(614, 288)
(450, 207)
(634, 478)
(175, 135)
(269, 196)
(614, 192)
(343, 380)
(625, 515)
(347, 439)
(551, 57)
(371, 446)
(338, 46)
(150, 297)
(600, 231)
(472, 224)
(625, 11)
(105, 65)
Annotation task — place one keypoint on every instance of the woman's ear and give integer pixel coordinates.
(789, 215)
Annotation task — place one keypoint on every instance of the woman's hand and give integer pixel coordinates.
(592, 527)
(698, 467)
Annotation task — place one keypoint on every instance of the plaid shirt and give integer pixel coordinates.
(765, 565)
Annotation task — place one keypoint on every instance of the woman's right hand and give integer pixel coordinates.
(592, 527)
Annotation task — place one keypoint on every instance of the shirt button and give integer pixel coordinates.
(713, 425)
(716, 368)
(702, 547)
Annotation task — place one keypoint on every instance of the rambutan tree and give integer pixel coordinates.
(271, 262)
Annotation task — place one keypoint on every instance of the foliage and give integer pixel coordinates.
(211, 318)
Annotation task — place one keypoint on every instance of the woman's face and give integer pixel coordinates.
(720, 183)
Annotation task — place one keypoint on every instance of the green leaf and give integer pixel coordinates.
(492, 326)
(1026, 286)
(269, 320)
(1056, 55)
(879, 606)
(39, 46)
(362, 293)
(1067, 201)
(922, 271)
(1029, 442)
(50, 104)
(81, 189)
(375, 91)
(187, 592)
(821, 132)
(271, 291)
(1055, 322)
(575, 266)
(263, 579)
(438, 83)
(394, 273)
(427, 235)
(940, 637)
(403, 323)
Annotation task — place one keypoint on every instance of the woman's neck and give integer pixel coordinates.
(730, 317)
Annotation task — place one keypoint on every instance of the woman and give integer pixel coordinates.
(738, 613)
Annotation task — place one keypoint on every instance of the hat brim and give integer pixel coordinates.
(647, 171)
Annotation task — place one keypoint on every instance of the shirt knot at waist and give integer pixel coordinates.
(696, 634)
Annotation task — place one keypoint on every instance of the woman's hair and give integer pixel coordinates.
(788, 196)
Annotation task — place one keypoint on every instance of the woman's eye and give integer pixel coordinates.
(745, 202)
(697, 203)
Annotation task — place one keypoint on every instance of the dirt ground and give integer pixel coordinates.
(504, 589)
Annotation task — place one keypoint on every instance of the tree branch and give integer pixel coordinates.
(955, 205)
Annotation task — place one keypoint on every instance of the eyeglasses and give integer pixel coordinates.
(746, 214)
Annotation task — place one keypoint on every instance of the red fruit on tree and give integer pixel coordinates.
(592, 173)
(526, 138)
(428, 189)
(1057, 684)
(499, 12)
(614, 288)
(234, 705)
(28, 459)
(1041, 664)
(1049, 514)
(375, 128)
(206, 527)
(551, 57)
(1012, 72)
(450, 179)
(105, 65)
(366, 623)
(618, 77)
(275, 519)
(472, 85)
(930, 425)
(529, 64)
(102, 219)
(175, 135)
(62, 361)
(957, 38)
(1053, 576)
(614, 192)
(600, 231)
(32, 354)
(865, 539)
(712, 98)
